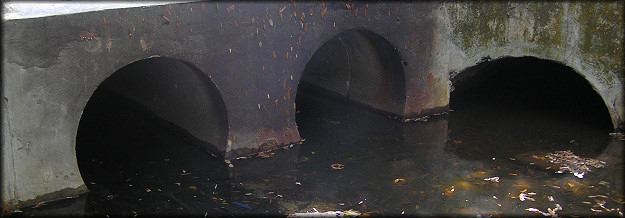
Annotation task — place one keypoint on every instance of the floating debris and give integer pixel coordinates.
(242, 205)
(338, 213)
(266, 154)
(228, 161)
(567, 161)
(526, 196)
(337, 166)
(492, 179)
(39, 204)
(550, 212)
(399, 180)
(419, 119)
(595, 210)
(185, 173)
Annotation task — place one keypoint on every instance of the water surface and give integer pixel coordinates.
(436, 167)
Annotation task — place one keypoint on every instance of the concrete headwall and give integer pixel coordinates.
(255, 54)
(586, 36)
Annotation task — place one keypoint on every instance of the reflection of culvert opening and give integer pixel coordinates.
(358, 67)
(533, 84)
(511, 106)
(147, 123)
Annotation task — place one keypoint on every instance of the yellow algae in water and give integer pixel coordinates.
(463, 185)
(449, 191)
(478, 174)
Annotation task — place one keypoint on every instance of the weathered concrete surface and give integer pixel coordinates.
(587, 36)
(255, 55)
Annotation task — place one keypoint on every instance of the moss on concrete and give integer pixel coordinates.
(485, 24)
(587, 36)
(482, 26)
(479, 23)
(547, 24)
(602, 35)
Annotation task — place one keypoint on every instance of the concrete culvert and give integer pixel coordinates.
(146, 123)
(519, 107)
(533, 84)
(356, 66)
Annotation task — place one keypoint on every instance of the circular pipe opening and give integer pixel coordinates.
(518, 105)
(358, 67)
(543, 86)
(146, 126)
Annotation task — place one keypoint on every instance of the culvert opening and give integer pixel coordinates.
(525, 104)
(151, 127)
(357, 68)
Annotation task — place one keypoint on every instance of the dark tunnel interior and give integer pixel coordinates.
(127, 151)
(357, 67)
(510, 106)
(533, 84)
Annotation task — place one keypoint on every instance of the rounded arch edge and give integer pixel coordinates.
(166, 84)
(361, 57)
(610, 94)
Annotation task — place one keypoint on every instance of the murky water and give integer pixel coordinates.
(438, 167)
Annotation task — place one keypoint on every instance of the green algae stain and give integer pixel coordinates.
(485, 24)
(602, 35)
(548, 19)
(488, 25)
(479, 24)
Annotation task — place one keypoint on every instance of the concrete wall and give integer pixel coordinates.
(587, 36)
(255, 55)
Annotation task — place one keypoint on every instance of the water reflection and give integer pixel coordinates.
(444, 166)
(424, 168)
